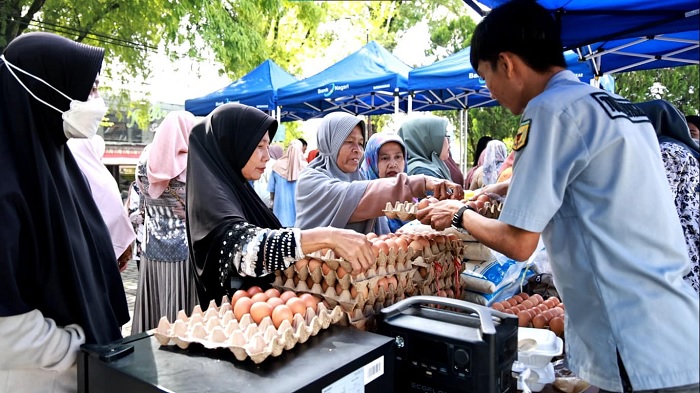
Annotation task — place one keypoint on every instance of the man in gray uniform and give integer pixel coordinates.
(588, 177)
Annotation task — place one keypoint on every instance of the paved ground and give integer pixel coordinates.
(130, 278)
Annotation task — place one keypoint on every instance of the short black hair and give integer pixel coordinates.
(303, 142)
(522, 27)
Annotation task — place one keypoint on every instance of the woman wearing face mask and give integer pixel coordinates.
(331, 191)
(60, 286)
(236, 241)
(385, 157)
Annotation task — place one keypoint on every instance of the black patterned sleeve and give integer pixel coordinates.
(257, 252)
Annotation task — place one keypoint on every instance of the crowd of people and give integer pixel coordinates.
(215, 206)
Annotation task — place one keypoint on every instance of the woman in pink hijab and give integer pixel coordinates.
(105, 191)
(283, 183)
(166, 282)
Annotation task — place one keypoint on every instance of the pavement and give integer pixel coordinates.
(130, 277)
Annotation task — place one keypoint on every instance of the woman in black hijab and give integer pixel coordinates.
(60, 285)
(235, 240)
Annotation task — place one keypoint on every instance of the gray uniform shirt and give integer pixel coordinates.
(591, 180)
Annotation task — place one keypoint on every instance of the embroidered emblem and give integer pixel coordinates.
(521, 136)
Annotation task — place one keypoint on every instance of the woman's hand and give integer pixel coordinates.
(353, 247)
(443, 189)
(345, 243)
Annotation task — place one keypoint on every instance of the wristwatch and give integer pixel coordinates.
(457, 218)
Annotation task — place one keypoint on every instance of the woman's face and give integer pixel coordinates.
(445, 152)
(351, 152)
(93, 91)
(390, 160)
(255, 166)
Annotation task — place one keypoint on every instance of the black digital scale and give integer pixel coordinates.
(337, 360)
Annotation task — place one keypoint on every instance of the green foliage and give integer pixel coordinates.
(679, 86)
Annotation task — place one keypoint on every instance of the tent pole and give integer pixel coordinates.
(410, 102)
(396, 101)
(465, 141)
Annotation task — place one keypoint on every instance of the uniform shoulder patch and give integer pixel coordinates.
(522, 135)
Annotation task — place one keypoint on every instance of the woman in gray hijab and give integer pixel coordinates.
(331, 191)
(428, 146)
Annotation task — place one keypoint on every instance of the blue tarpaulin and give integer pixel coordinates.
(363, 83)
(258, 88)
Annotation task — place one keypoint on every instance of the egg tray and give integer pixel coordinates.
(364, 318)
(404, 211)
(491, 209)
(368, 292)
(218, 328)
(381, 267)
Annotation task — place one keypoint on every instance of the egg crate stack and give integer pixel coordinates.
(404, 211)
(219, 328)
(360, 296)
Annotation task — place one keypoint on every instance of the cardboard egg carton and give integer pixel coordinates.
(350, 294)
(404, 211)
(218, 328)
(491, 209)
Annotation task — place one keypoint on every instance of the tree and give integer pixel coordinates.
(679, 86)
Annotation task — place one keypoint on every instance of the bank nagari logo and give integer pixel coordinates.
(327, 91)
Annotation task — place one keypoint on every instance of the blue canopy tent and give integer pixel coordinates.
(587, 21)
(643, 53)
(452, 83)
(258, 88)
(367, 82)
(633, 34)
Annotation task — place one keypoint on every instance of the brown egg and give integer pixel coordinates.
(324, 286)
(260, 310)
(353, 292)
(272, 292)
(392, 282)
(524, 319)
(498, 307)
(483, 198)
(338, 288)
(242, 307)
(280, 314)
(310, 282)
(539, 321)
(275, 301)
(285, 296)
(423, 203)
(383, 247)
(253, 290)
(309, 299)
(325, 269)
(527, 303)
(297, 306)
(237, 295)
(340, 272)
(259, 297)
(314, 264)
(518, 299)
(301, 264)
(402, 243)
(512, 302)
(371, 236)
(391, 244)
(524, 295)
(556, 325)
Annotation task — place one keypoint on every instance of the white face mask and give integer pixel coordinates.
(81, 120)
